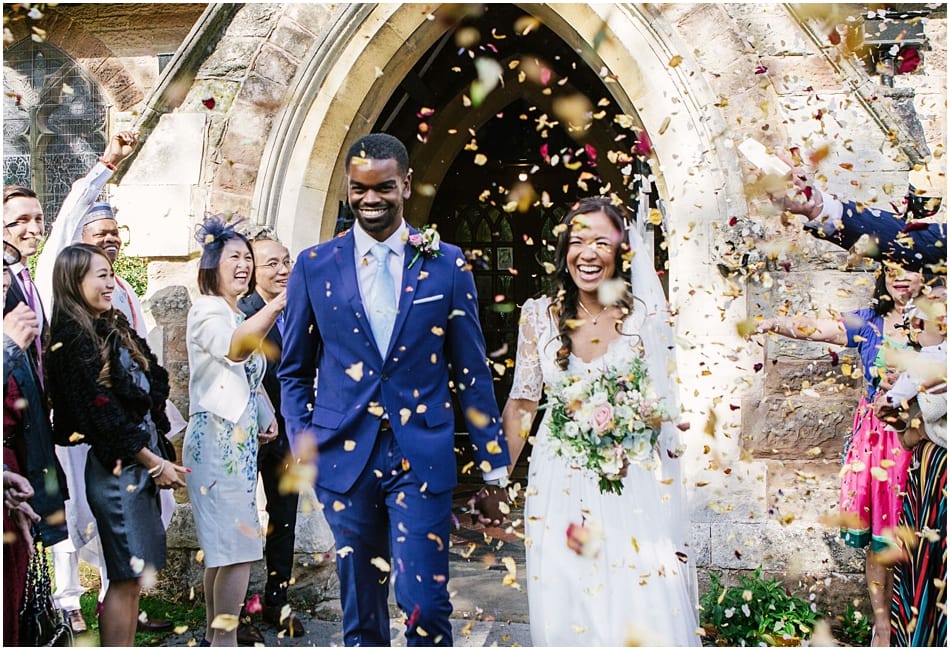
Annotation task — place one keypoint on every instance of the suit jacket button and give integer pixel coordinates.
(384, 377)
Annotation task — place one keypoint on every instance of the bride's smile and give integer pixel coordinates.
(592, 252)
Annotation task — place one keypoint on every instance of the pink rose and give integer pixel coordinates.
(602, 418)
(415, 239)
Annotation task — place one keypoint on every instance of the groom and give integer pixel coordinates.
(393, 328)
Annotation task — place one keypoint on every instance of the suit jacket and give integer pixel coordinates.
(34, 437)
(915, 246)
(250, 305)
(15, 296)
(436, 339)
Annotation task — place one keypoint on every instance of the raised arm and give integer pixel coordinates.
(806, 328)
(248, 336)
(67, 228)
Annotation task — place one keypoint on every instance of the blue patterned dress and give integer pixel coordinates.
(222, 484)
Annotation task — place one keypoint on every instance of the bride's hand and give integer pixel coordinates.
(489, 506)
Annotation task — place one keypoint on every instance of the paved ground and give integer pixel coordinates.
(490, 602)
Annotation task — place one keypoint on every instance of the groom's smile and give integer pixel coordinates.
(377, 192)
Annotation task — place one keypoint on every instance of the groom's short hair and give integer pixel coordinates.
(380, 146)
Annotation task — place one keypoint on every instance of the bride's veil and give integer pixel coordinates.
(660, 356)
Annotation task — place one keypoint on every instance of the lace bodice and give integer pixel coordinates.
(538, 343)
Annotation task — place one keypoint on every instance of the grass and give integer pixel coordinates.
(188, 614)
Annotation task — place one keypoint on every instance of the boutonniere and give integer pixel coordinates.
(426, 242)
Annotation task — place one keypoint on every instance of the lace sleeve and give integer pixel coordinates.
(528, 381)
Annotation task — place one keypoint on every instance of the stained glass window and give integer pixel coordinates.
(54, 121)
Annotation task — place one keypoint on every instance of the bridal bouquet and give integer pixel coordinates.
(604, 423)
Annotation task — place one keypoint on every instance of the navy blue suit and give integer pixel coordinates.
(916, 247)
(386, 486)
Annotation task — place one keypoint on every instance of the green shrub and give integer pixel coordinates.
(133, 270)
(756, 612)
(855, 626)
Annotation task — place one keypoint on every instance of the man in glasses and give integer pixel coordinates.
(272, 266)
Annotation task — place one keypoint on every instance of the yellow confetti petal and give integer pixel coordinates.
(404, 415)
(879, 474)
(349, 445)
(338, 506)
(380, 564)
(225, 622)
(355, 372)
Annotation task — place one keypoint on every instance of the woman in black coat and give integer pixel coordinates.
(109, 391)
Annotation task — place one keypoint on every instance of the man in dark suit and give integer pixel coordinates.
(272, 265)
(389, 315)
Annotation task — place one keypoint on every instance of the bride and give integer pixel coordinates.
(603, 569)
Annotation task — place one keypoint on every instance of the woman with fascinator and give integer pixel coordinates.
(230, 415)
(109, 391)
(607, 556)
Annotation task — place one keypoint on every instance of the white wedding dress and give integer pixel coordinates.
(635, 590)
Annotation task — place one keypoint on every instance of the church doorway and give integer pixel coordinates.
(496, 174)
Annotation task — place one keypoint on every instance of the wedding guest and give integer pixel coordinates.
(272, 265)
(81, 218)
(918, 607)
(230, 416)
(27, 427)
(109, 391)
(869, 507)
(20, 327)
(914, 245)
(591, 322)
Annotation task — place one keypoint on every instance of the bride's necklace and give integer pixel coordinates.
(593, 319)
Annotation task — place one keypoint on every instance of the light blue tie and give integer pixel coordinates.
(382, 299)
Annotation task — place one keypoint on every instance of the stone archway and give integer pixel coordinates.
(651, 73)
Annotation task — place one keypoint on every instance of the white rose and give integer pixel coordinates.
(571, 429)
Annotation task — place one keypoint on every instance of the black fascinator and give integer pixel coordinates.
(213, 233)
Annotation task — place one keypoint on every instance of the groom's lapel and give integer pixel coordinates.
(410, 278)
(345, 257)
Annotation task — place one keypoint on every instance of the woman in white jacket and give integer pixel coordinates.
(230, 416)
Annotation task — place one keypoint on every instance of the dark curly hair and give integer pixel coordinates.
(565, 294)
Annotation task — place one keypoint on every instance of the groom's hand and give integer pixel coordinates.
(490, 506)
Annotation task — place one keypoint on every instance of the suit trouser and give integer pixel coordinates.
(388, 515)
(281, 520)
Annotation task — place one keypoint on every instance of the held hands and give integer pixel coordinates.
(490, 505)
(22, 325)
(120, 147)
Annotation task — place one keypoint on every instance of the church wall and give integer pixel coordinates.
(767, 416)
